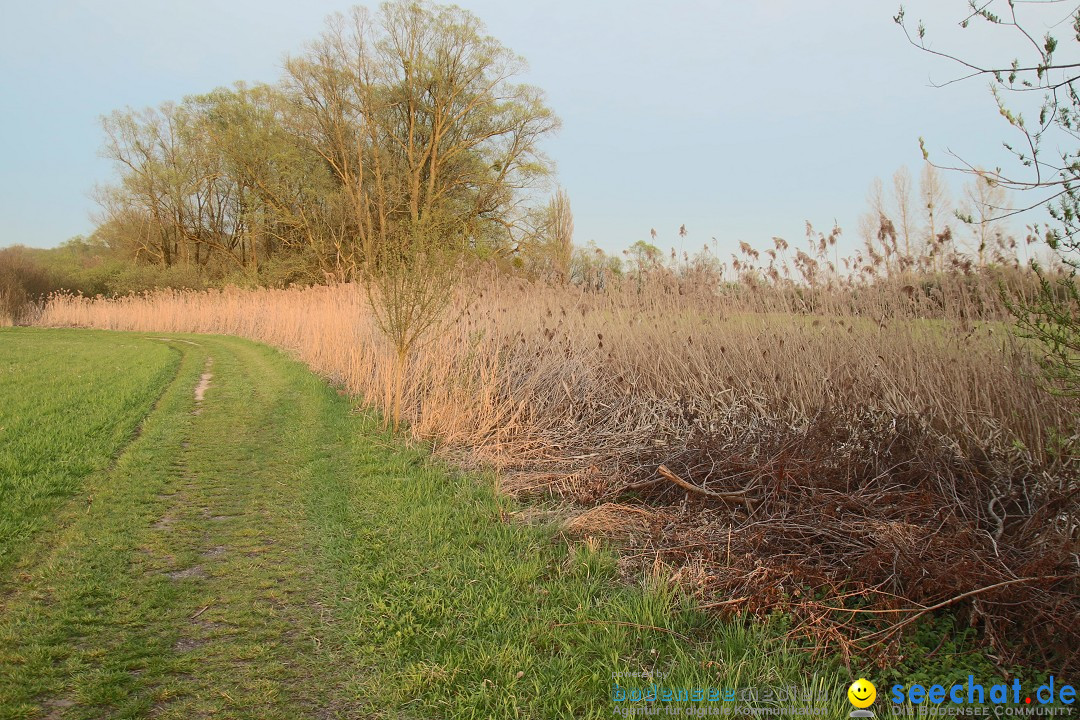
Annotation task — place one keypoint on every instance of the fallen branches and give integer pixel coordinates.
(892, 629)
(737, 496)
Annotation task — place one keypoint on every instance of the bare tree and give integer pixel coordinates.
(877, 230)
(936, 204)
(410, 283)
(415, 111)
(561, 238)
(547, 249)
(982, 208)
(906, 223)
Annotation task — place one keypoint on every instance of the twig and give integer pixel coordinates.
(639, 485)
(721, 603)
(200, 612)
(736, 496)
(907, 621)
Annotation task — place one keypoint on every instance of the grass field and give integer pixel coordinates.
(268, 552)
(68, 407)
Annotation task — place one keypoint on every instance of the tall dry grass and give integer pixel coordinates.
(531, 373)
(897, 426)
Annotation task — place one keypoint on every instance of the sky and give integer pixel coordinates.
(740, 120)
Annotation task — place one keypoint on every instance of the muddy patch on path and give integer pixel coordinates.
(57, 707)
(204, 383)
(186, 573)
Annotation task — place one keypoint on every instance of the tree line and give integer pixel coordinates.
(400, 124)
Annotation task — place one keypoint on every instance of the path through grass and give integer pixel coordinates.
(267, 552)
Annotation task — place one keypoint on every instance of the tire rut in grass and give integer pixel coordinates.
(176, 529)
(80, 624)
(185, 590)
(204, 384)
(229, 540)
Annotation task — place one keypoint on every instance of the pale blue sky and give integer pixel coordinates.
(740, 119)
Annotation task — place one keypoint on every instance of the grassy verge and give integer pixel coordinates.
(268, 552)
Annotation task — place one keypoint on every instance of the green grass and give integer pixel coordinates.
(271, 553)
(68, 406)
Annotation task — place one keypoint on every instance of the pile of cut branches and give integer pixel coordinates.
(859, 531)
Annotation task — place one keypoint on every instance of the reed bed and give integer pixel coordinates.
(818, 450)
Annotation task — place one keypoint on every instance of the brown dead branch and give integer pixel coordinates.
(737, 496)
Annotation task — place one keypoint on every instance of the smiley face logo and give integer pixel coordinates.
(862, 693)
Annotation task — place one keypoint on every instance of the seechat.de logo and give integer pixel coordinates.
(973, 693)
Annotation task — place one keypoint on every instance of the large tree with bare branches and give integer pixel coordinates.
(435, 145)
(419, 115)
